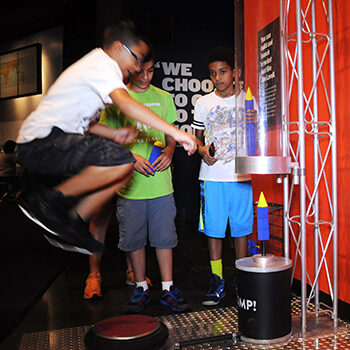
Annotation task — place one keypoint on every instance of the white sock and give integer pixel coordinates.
(166, 285)
(142, 284)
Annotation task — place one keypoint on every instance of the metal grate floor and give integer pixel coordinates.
(204, 324)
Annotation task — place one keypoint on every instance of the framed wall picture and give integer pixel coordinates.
(20, 72)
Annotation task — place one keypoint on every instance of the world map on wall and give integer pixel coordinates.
(12, 72)
(20, 72)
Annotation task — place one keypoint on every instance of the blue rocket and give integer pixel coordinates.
(250, 125)
(263, 219)
(156, 151)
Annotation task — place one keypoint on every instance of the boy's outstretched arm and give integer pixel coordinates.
(139, 112)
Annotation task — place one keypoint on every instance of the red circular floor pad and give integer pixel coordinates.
(127, 327)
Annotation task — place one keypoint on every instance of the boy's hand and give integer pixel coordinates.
(188, 141)
(143, 166)
(204, 152)
(125, 135)
(164, 160)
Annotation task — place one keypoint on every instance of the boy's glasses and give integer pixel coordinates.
(138, 59)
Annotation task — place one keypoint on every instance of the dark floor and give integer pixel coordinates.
(63, 275)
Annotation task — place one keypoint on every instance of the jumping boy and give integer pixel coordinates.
(226, 197)
(53, 140)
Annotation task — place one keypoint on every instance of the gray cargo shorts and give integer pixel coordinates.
(140, 219)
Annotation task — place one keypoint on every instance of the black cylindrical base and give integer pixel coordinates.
(264, 302)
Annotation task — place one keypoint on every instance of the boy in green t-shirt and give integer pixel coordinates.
(145, 205)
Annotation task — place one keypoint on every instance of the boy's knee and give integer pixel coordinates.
(125, 170)
(129, 169)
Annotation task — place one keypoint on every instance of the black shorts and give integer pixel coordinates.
(63, 154)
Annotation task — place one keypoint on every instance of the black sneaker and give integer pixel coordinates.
(139, 300)
(80, 226)
(216, 291)
(50, 210)
(174, 299)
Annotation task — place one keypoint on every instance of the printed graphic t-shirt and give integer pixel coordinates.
(217, 116)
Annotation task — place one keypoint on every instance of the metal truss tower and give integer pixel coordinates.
(312, 146)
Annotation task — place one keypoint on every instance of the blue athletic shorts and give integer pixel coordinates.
(222, 202)
(140, 219)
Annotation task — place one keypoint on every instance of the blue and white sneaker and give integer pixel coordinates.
(216, 291)
(174, 299)
(139, 300)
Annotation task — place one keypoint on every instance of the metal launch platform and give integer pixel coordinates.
(212, 329)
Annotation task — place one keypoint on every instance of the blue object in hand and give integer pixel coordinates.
(156, 151)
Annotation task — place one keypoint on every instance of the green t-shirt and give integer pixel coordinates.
(161, 102)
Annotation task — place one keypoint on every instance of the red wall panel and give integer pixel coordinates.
(259, 13)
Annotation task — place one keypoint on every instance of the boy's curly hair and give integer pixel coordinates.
(221, 53)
